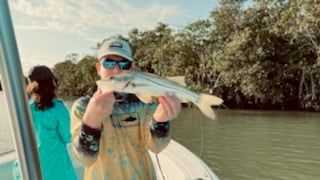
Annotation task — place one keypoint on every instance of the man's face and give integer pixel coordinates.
(110, 68)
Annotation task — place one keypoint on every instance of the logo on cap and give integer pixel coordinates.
(116, 45)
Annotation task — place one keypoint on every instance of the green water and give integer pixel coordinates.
(253, 144)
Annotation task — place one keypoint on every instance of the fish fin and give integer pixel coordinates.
(145, 98)
(206, 101)
(184, 100)
(178, 79)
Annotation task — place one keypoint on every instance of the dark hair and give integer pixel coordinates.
(42, 86)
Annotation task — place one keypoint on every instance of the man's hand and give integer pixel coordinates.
(100, 106)
(169, 108)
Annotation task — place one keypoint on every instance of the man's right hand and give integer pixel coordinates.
(100, 106)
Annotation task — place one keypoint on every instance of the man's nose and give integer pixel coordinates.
(116, 68)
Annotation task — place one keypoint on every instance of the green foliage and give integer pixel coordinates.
(262, 59)
(76, 78)
(64, 72)
(266, 55)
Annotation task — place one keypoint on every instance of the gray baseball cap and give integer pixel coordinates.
(115, 47)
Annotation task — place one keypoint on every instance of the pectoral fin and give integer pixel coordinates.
(145, 98)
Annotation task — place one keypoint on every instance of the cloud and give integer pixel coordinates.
(80, 22)
(27, 63)
(86, 16)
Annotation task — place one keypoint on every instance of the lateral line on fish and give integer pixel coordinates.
(195, 96)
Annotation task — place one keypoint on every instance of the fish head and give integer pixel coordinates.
(122, 78)
(120, 83)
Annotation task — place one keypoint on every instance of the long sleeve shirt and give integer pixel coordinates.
(120, 149)
(52, 132)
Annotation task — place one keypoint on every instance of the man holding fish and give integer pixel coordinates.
(112, 131)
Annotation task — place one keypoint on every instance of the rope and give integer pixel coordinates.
(201, 137)
(158, 163)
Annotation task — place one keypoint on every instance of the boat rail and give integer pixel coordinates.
(13, 83)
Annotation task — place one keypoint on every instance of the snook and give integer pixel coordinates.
(145, 85)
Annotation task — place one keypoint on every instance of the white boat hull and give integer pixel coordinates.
(175, 162)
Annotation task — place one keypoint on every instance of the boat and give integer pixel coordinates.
(174, 162)
(177, 162)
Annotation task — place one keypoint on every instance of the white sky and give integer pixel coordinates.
(47, 31)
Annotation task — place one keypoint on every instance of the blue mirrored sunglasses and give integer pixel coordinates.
(110, 64)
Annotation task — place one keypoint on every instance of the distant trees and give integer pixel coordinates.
(266, 55)
(270, 53)
(76, 78)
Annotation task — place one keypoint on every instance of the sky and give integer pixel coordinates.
(47, 31)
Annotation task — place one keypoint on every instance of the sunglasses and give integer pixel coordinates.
(110, 64)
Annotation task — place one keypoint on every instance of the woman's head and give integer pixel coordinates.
(41, 87)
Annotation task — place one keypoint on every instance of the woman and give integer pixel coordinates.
(51, 124)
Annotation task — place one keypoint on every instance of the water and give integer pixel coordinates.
(240, 145)
(252, 145)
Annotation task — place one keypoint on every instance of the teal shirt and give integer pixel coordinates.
(52, 130)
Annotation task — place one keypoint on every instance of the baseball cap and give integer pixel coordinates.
(40, 73)
(115, 47)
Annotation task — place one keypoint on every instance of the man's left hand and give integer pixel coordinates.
(169, 108)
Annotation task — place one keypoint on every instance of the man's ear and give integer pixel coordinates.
(98, 67)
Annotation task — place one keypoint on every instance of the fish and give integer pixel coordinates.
(147, 85)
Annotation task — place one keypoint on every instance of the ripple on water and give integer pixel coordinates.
(254, 144)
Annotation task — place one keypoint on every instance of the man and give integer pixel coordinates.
(112, 132)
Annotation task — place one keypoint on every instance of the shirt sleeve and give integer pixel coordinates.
(88, 140)
(157, 135)
(85, 140)
(160, 129)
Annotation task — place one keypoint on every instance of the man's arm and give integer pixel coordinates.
(85, 140)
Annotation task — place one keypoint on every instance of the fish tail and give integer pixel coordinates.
(205, 103)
